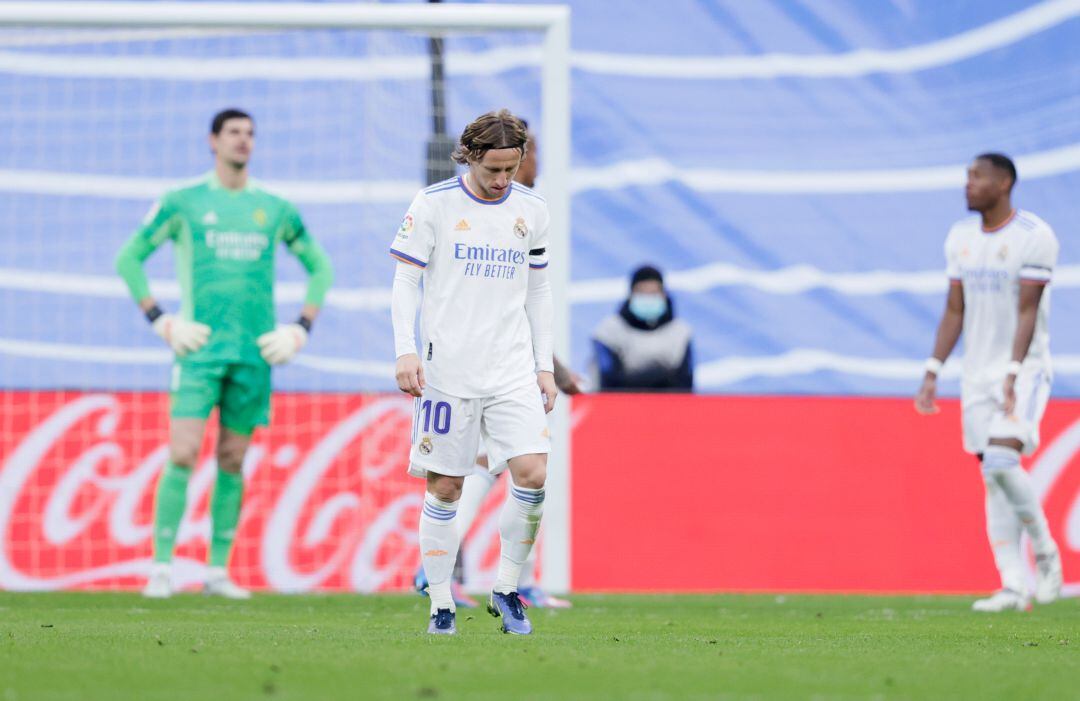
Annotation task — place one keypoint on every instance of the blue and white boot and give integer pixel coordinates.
(512, 610)
(442, 623)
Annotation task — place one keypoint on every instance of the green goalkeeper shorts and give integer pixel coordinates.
(241, 390)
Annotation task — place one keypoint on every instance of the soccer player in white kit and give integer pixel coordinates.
(999, 266)
(485, 365)
(477, 485)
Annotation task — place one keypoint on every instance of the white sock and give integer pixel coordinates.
(438, 548)
(528, 570)
(1003, 464)
(473, 493)
(527, 580)
(1003, 531)
(518, 524)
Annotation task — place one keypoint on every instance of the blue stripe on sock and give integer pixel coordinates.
(440, 514)
(997, 461)
(528, 497)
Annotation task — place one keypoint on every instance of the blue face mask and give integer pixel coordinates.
(648, 307)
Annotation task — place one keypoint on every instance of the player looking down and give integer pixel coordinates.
(224, 229)
(485, 364)
(999, 266)
(481, 481)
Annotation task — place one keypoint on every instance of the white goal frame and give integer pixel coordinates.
(552, 21)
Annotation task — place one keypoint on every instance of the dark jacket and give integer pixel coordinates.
(633, 355)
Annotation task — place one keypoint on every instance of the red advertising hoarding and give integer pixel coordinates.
(668, 493)
(795, 494)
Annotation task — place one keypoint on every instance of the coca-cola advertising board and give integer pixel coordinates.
(668, 493)
(327, 503)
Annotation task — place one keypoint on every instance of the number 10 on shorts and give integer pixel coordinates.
(435, 418)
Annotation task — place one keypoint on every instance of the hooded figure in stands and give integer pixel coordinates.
(644, 348)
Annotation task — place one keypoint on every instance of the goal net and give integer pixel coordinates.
(109, 105)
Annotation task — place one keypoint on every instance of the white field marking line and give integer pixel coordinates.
(795, 279)
(973, 42)
(648, 172)
(120, 355)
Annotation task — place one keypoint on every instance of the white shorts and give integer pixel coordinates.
(983, 418)
(447, 430)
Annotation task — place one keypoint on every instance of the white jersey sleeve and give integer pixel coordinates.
(404, 301)
(538, 244)
(1039, 256)
(415, 238)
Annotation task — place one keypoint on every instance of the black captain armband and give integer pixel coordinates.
(153, 313)
(304, 323)
(537, 251)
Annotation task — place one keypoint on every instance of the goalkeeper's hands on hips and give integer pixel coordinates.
(183, 337)
(283, 343)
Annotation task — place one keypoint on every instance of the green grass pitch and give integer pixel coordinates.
(120, 646)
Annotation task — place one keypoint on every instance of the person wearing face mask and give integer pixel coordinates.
(644, 347)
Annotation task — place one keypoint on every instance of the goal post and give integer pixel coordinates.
(551, 55)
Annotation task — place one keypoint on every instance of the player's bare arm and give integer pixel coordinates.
(1030, 296)
(948, 333)
(566, 380)
(310, 312)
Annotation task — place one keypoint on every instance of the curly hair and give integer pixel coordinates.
(493, 130)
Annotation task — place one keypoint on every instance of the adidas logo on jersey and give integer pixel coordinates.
(210, 218)
(462, 225)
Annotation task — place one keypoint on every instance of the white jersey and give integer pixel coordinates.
(476, 255)
(991, 265)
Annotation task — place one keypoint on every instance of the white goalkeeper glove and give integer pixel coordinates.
(280, 345)
(182, 336)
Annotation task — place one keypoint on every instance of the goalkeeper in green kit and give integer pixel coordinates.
(224, 229)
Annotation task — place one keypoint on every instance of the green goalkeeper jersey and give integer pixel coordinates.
(224, 242)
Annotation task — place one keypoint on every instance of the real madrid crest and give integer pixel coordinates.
(426, 446)
(520, 230)
(260, 217)
(1003, 253)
